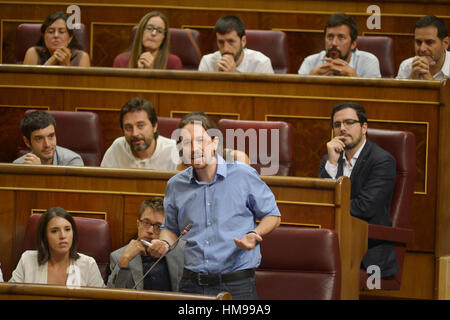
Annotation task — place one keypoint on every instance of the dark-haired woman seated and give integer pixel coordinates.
(150, 49)
(57, 46)
(56, 260)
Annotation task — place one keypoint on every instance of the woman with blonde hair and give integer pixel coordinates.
(150, 48)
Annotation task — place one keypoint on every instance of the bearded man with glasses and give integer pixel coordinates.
(129, 263)
(372, 173)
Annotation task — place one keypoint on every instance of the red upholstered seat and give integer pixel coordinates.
(383, 49)
(184, 43)
(77, 131)
(299, 264)
(402, 145)
(167, 125)
(273, 44)
(28, 34)
(262, 143)
(94, 239)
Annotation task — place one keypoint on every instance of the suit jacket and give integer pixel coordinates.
(127, 278)
(372, 186)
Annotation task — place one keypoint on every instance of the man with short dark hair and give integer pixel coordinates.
(432, 60)
(38, 130)
(232, 55)
(222, 248)
(129, 263)
(141, 146)
(372, 173)
(340, 57)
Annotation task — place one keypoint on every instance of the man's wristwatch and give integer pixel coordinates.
(253, 231)
(168, 245)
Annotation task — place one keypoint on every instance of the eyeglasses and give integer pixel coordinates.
(147, 225)
(151, 28)
(347, 123)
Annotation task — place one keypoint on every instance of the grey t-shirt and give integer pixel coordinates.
(61, 157)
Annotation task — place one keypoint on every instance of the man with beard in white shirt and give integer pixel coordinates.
(232, 55)
(340, 57)
(141, 146)
(432, 60)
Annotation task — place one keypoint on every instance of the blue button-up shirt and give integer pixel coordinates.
(219, 211)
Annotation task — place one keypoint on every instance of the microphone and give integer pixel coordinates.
(186, 230)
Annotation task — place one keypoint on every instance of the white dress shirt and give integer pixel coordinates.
(364, 63)
(119, 155)
(348, 166)
(253, 61)
(405, 69)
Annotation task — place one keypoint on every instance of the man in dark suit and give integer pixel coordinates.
(372, 172)
(129, 263)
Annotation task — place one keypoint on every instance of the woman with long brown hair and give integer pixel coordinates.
(150, 49)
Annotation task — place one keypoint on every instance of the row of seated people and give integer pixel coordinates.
(372, 189)
(59, 249)
(153, 44)
(146, 142)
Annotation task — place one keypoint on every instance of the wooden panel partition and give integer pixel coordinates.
(418, 106)
(119, 193)
(109, 22)
(22, 291)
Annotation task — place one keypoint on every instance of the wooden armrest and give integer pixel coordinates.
(400, 235)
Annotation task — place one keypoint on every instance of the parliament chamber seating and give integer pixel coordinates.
(299, 264)
(402, 146)
(167, 125)
(383, 48)
(285, 143)
(94, 239)
(77, 131)
(28, 34)
(184, 43)
(273, 44)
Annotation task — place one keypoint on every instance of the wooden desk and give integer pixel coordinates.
(108, 23)
(116, 195)
(418, 106)
(20, 291)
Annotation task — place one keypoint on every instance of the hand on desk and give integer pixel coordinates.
(61, 57)
(31, 158)
(421, 68)
(333, 67)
